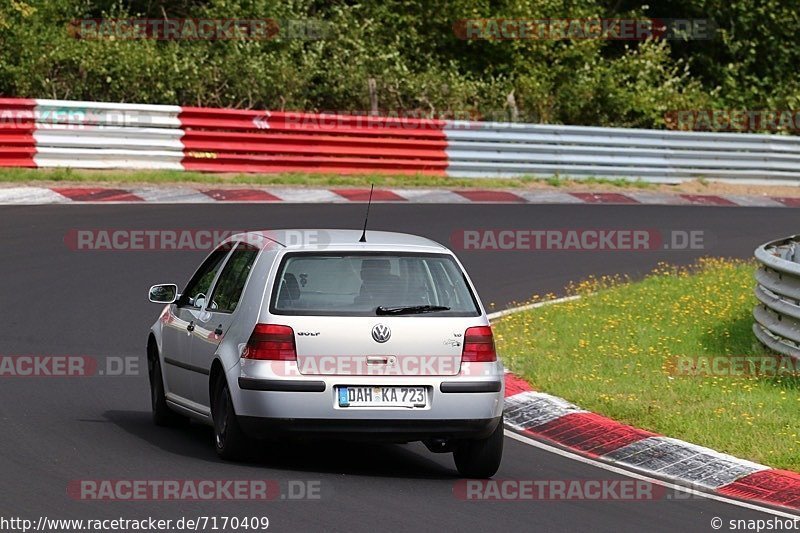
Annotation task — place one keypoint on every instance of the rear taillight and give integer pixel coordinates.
(271, 342)
(479, 345)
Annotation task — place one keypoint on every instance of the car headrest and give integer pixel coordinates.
(290, 289)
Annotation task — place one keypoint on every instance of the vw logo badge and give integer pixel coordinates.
(381, 333)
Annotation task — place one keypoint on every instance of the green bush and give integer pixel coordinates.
(409, 50)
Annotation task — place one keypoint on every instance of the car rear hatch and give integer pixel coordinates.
(384, 312)
(380, 345)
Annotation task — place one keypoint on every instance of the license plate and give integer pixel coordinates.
(383, 396)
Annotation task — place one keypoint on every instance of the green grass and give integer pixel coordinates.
(618, 182)
(299, 179)
(610, 352)
(559, 181)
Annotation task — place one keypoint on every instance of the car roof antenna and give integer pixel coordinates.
(366, 217)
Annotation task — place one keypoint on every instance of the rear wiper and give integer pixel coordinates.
(410, 310)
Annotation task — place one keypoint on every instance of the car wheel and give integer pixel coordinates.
(162, 414)
(229, 439)
(480, 458)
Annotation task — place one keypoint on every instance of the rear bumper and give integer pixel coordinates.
(372, 430)
(462, 387)
(281, 385)
(269, 402)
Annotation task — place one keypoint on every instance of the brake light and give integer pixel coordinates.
(271, 342)
(478, 345)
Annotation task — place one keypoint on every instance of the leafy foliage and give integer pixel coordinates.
(409, 52)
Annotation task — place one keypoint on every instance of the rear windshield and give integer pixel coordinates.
(358, 284)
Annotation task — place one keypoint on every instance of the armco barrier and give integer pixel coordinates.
(224, 140)
(57, 133)
(502, 149)
(777, 317)
(17, 144)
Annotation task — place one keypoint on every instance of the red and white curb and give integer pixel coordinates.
(194, 195)
(548, 418)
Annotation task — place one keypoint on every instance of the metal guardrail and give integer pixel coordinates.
(97, 135)
(492, 149)
(58, 133)
(777, 317)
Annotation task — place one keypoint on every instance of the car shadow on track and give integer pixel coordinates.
(329, 456)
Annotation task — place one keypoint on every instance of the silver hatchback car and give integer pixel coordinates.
(314, 332)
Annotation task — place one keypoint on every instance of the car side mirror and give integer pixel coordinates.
(165, 293)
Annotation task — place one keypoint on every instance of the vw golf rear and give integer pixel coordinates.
(312, 332)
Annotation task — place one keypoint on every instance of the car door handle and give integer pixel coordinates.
(190, 327)
(218, 331)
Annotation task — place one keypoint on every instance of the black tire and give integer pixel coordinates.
(230, 441)
(480, 458)
(162, 415)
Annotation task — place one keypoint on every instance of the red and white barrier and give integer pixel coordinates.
(224, 140)
(57, 133)
(17, 145)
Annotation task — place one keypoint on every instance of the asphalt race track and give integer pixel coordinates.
(59, 301)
